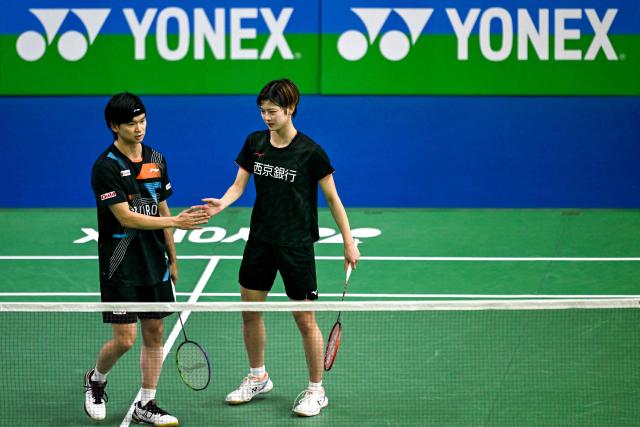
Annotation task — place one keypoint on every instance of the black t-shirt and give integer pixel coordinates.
(128, 256)
(286, 179)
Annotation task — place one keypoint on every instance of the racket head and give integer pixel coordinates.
(193, 365)
(333, 344)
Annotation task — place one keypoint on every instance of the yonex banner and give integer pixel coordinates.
(156, 47)
(514, 47)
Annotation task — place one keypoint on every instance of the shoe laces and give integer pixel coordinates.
(249, 380)
(153, 408)
(97, 391)
(307, 395)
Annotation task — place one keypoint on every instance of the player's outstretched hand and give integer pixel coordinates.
(213, 206)
(192, 217)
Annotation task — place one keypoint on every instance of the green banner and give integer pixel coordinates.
(432, 67)
(110, 66)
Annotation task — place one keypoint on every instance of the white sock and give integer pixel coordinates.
(315, 386)
(98, 377)
(258, 372)
(146, 394)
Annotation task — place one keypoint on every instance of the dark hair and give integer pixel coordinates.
(284, 93)
(122, 108)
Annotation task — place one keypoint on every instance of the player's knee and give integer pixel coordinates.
(152, 332)
(251, 317)
(125, 342)
(306, 322)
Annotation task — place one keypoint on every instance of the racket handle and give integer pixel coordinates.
(349, 268)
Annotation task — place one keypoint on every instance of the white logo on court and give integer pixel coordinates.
(72, 45)
(394, 45)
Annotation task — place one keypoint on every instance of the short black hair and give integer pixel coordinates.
(122, 108)
(283, 93)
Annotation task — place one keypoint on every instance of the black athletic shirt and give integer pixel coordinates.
(286, 179)
(128, 256)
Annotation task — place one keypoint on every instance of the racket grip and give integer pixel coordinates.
(349, 268)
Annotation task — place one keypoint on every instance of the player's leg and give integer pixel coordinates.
(95, 380)
(122, 339)
(313, 343)
(151, 352)
(257, 273)
(146, 411)
(297, 266)
(313, 398)
(152, 326)
(298, 270)
(253, 329)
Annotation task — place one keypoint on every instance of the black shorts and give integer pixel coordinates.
(297, 265)
(161, 292)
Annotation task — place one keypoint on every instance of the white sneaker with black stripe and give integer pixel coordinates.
(250, 387)
(151, 414)
(95, 398)
(310, 402)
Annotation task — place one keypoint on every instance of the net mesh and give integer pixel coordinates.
(442, 363)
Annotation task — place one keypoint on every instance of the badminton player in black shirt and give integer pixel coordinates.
(287, 167)
(136, 252)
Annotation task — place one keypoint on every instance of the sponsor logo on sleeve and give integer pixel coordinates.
(126, 172)
(168, 186)
(109, 195)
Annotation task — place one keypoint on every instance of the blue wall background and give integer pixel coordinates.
(479, 152)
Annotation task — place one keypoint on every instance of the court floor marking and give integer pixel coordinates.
(177, 328)
(336, 295)
(364, 258)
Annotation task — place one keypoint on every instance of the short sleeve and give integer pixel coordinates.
(245, 157)
(166, 190)
(320, 166)
(107, 185)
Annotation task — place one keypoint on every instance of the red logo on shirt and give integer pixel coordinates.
(109, 195)
(258, 155)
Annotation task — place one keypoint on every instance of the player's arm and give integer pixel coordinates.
(163, 209)
(215, 206)
(188, 219)
(351, 252)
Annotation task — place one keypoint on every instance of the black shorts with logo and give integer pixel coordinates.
(161, 292)
(297, 265)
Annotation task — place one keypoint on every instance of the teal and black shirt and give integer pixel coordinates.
(130, 257)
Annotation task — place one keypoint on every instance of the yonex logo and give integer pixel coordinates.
(394, 44)
(72, 45)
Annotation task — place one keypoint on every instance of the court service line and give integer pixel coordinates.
(202, 282)
(364, 258)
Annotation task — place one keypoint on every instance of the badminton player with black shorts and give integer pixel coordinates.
(136, 253)
(287, 167)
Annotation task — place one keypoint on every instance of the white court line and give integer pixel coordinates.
(336, 295)
(364, 258)
(202, 282)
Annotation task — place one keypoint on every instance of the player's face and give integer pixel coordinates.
(132, 132)
(274, 116)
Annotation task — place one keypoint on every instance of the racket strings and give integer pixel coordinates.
(193, 365)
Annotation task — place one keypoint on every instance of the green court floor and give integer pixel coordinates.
(452, 368)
